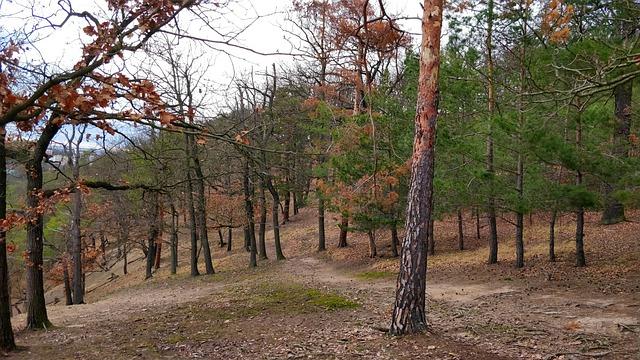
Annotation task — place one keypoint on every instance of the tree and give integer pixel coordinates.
(409, 314)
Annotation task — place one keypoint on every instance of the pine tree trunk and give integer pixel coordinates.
(460, 231)
(394, 239)
(519, 217)
(580, 257)
(344, 228)
(613, 212)
(409, 314)
(321, 235)
(477, 224)
(491, 203)
(7, 342)
(373, 251)
(431, 239)
(552, 236)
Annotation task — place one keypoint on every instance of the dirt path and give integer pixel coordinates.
(265, 313)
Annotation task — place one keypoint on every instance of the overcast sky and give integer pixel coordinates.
(263, 20)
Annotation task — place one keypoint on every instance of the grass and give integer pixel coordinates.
(375, 275)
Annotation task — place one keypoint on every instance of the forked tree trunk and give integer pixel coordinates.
(409, 314)
(7, 342)
(274, 215)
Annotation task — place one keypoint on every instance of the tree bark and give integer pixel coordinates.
(477, 224)
(276, 224)
(67, 284)
(193, 231)
(322, 246)
(202, 209)
(229, 238)
(552, 236)
(580, 257)
(7, 342)
(344, 229)
(460, 231)
(262, 228)
(394, 239)
(373, 251)
(248, 208)
(37, 317)
(409, 314)
(491, 203)
(613, 212)
(174, 239)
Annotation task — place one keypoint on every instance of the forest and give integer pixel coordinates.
(326, 179)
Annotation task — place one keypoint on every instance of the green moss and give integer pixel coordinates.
(375, 275)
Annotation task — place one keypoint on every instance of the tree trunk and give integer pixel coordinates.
(262, 229)
(202, 210)
(67, 284)
(580, 257)
(460, 231)
(36, 308)
(409, 314)
(285, 208)
(394, 239)
(276, 224)
(174, 239)
(373, 251)
(519, 217)
(248, 208)
(124, 259)
(491, 203)
(158, 257)
(76, 248)
(229, 238)
(431, 239)
(613, 212)
(193, 230)
(552, 236)
(477, 224)
(344, 228)
(321, 236)
(7, 342)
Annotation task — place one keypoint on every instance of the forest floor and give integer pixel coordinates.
(337, 304)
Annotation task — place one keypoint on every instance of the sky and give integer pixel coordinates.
(262, 20)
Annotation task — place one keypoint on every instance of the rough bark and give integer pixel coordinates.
(409, 314)
(552, 236)
(7, 342)
(37, 317)
(322, 246)
(344, 229)
(248, 208)
(613, 212)
(460, 231)
(491, 203)
(262, 228)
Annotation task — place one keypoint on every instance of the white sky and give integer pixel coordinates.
(61, 47)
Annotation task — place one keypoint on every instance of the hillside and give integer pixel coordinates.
(337, 304)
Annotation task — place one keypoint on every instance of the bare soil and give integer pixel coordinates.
(337, 304)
